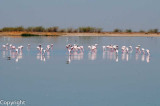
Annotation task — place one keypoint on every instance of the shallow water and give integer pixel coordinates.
(88, 79)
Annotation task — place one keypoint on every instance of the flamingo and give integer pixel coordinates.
(7, 44)
(130, 49)
(104, 48)
(93, 48)
(44, 51)
(4, 46)
(139, 46)
(51, 46)
(138, 49)
(79, 49)
(13, 48)
(16, 51)
(10, 46)
(127, 49)
(143, 50)
(82, 48)
(48, 48)
(75, 47)
(123, 48)
(41, 49)
(95, 44)
(109, 46)
(29, 45)
(68, 46)
(40, 46)
(69, 52)
(148, 52)
(116, 51)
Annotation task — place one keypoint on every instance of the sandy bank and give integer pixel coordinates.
(114, 34)
(34, 33)
(83, 34)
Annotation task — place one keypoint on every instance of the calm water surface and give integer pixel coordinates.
(100, 79)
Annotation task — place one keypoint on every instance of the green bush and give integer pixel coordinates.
(75, 30)
(29, 29)
(117, 30)
(128, 30)
(99, 30)
(153, 31)
(142, 31)
(62, 30)
(70, 30)
(20, 28)
(52, 29)
(38, 29)
(10, 29)
(90, 29)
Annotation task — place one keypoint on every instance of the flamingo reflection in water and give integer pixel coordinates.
(76, 56)
(112, 52)
(17, 53)
(43, 53)
(75, 52)
(126, 52)
(92, 54)
(126, 56)
(12, 52)
(145, 54)
(111, 55)
(41, 57)
(144, 57)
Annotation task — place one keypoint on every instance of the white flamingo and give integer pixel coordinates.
(143, 50)
(123, 48)
(138, 49)
(148, 52)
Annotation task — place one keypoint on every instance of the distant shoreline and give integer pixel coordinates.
(107, 34)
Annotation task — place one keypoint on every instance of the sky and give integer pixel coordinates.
(107, 14)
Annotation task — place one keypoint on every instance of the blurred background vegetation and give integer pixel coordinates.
(51, 29)
(70, 30)
(140, 31)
